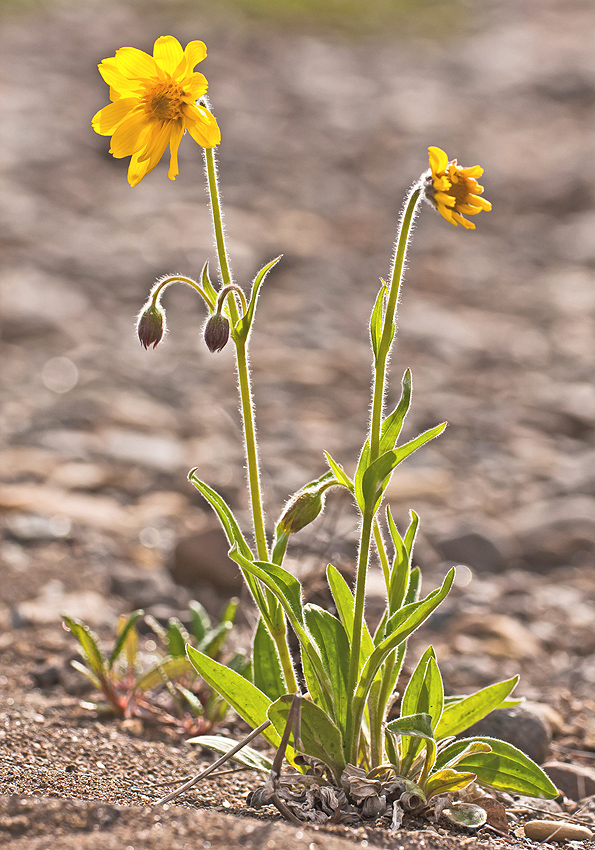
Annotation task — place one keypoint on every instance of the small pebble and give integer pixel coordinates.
(548, 830)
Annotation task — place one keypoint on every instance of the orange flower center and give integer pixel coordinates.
(460, 189)
(163, 100)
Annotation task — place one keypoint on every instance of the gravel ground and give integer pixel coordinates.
(322, 134)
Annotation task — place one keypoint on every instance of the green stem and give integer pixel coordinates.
(162, 284)
(358, 620)
(407, 219)
(244, 381)
(279, 633)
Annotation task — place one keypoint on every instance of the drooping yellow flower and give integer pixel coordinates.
(454, 190)
(154, 100)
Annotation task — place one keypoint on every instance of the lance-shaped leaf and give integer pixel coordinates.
(446, 781)
(424, 694)
(200, 622)
(320, 737)
(345, 603)
(242, 329)
(402, 625)
(450, 755)
(247, 756)
(414, 726)
(339, 472)
(507, 769)
(90, 645)
(376, 319)
(207, 286)
(288, 591)
(267, 672)
(249, 702)
(128, 625)
(333, 645)
(461, 715)
(377, 475)
(169, 668)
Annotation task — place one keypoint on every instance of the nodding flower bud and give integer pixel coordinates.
(301, 511)
(216, 332)
(151, 325)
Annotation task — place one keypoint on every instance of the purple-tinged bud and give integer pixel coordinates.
(217, 332)
(151, 325)
(301, 512)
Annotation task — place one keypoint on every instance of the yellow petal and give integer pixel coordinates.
(137, 170)
(467, 209)
(174, 144)
(468, 225)
(441, 184)
(129, 136)
(195, 52)
(443, 198)
(446, 213)
(472, 171)
(135, 64)
(107, 119)
(195, 87)
(438, 160)
(201, 125)
(476, 201)
(114, 78)
(156, 143)
(168, 53)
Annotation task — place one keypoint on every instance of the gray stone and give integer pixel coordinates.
(573, 780)
(480, 549)
(516, 726)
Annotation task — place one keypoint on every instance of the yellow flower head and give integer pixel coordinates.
(454, 190)
(153, 103)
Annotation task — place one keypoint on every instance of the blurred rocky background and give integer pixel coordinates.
(326, 110)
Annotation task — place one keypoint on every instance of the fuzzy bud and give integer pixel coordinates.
(216, 332)
(151, 325)
(301, 511)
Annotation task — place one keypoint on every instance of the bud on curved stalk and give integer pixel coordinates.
(301, 511)
(151, 325)
(216, 332)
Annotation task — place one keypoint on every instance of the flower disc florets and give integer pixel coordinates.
(154, 101)
(454, 190)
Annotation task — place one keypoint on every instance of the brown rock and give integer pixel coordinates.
(202, 559)
(561, 830)
(573, 780)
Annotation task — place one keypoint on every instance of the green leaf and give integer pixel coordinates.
(267, 673)
(401, 626)
(411, 534)
(461, 715)
(452, 754)
(425, 691)
(333, 645)
(389, 434)
(177, 638)
(213, 642)
(345, 603)
(230, 611)
(416, 725)
(377, 475)
(242, 329)
(376, 319)
(169, 668)
(446, 781)
(223, 511)
(87, 673)
(339, 472)
(401, 567)
(192, 700)
(288, 591)
(200, 622)
(234, 535)
(128, 625)
(244, 697)
(320, 737)
(247, 756)
(207, 286)
(90, 645)
(508, 769)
